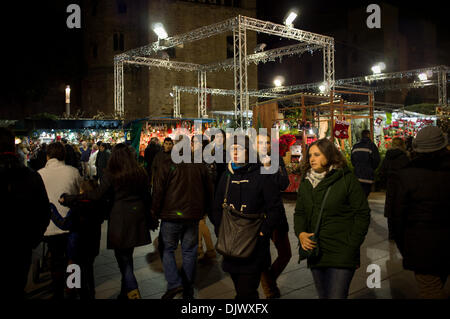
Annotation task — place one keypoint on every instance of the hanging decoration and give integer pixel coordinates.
(341, 129)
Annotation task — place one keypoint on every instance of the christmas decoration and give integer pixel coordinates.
(286, 141)
(341, 129)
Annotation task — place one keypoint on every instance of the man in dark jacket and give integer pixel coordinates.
(102, 160)
(182, 195)
(365, 159)
(23, 190)
(421, 212)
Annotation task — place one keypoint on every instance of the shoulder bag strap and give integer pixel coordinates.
(226, 189)
(321, 211)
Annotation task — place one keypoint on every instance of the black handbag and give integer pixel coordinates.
(238, 232)
(313, 253)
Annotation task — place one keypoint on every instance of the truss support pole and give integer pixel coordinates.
(371, 121)
(328, 66)
(118, 89)
(241, 99)
(176, 102)
(442, 87)
(202, 95)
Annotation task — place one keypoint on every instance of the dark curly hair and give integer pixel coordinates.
(329, 150)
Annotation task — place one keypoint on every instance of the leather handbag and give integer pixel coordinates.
(313, 253)
(238, 232)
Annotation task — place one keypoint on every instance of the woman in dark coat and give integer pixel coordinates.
(344, 223)
(421, 213)
(250, 192)
(396, 158)
(126, 185)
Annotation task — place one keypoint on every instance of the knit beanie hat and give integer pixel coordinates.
(429, 139)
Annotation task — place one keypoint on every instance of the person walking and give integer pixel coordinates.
(280, 237)
(91, 163)
(365, 159)
(23, 189)
(421, 213)
(84, 221)
(71, 157)
(328, 188)
(126, 185)
(243, 190)
(182, 195)
(58, 178)
(396, 158)
(150, 152)
(198, 144)
(163, 156)
(85, 154)
(101, 162)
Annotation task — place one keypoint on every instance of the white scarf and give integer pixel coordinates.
(315, 178)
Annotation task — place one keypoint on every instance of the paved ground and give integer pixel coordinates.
(295, 282)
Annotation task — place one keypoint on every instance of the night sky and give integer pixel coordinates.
(39, 49)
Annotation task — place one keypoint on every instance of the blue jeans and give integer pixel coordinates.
(332, 283)
(171, 234)
(124, 259)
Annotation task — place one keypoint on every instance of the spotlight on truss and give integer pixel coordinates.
(260, 47)
(278, 81)
(423, 77)
(290, 19)
(158, 28)
(377, 68)
(323, 87)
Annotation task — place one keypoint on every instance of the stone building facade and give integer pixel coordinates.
(113, 27)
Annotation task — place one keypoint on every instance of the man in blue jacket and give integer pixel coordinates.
(365, 160)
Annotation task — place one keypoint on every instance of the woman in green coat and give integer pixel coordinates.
(344, 223)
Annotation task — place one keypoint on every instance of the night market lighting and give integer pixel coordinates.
(158, 28)
(377, 68)
(423, 77)
(291, 17)
(278, 81)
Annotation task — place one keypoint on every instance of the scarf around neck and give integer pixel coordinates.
(314, 177)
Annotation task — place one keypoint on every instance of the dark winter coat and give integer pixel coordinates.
(220, 167)
(149, 155)
(421, 214)
(345, 218)
(394, 160)
(86, 218)
(365, 159)
(101, 162)
(25, 205)
(259, 194)
(72, 158)
(281, 179)
(127, 221)
(181, 192)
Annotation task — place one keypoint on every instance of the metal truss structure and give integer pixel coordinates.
(366, 83)
(239, 26)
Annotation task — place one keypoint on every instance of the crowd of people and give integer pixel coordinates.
(66, 194)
